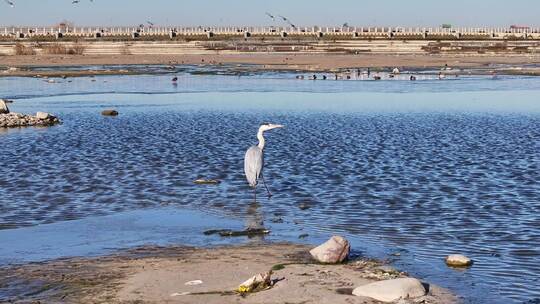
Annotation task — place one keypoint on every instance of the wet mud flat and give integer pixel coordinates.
(240, 64)
(180, 274)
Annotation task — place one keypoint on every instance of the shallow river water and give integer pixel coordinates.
(409, 171)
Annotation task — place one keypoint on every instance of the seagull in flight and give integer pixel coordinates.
(288, 21)
(271, 16)
(10, 3)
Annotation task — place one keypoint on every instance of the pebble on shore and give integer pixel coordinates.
(14, 120)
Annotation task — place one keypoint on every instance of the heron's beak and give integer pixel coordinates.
(276, 126)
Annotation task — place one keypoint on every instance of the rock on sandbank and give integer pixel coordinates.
(391, 290)
(335, 250)
(3, 107)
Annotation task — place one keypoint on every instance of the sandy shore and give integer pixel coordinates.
(159, 275)
(275, 61)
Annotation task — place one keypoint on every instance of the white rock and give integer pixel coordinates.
(458, 260)
(335, 250)
(391, 290)
(42, 115)
(3, 107)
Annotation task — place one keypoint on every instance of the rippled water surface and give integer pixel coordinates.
(422, 168)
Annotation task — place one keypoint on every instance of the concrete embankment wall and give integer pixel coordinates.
(470, 47)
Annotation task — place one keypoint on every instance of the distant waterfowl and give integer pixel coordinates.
(254, 159)
(412, 78)
(442, 76)
(175, 79)
(376, 77)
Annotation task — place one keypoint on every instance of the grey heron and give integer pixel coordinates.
(254, 159)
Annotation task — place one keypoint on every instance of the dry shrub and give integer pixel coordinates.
(21, 49)
(54, 49)
(125, 50)
(60, 49)
(77, 49)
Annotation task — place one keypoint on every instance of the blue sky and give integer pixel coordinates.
(300, 12)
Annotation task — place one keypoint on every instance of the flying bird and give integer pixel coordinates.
(288, 21)
(271, 16)
(150, 23)
(254, 159)
(10, 3)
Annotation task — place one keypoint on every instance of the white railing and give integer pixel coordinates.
(28, 31)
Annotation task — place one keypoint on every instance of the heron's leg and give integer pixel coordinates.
(255, 194)
(268, 191)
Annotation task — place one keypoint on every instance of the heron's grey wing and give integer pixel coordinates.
(253, 164)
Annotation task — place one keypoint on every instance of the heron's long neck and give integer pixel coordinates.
(261, 139)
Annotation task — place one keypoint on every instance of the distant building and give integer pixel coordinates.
(520, 27)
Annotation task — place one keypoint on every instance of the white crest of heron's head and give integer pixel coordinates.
(269, 126)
